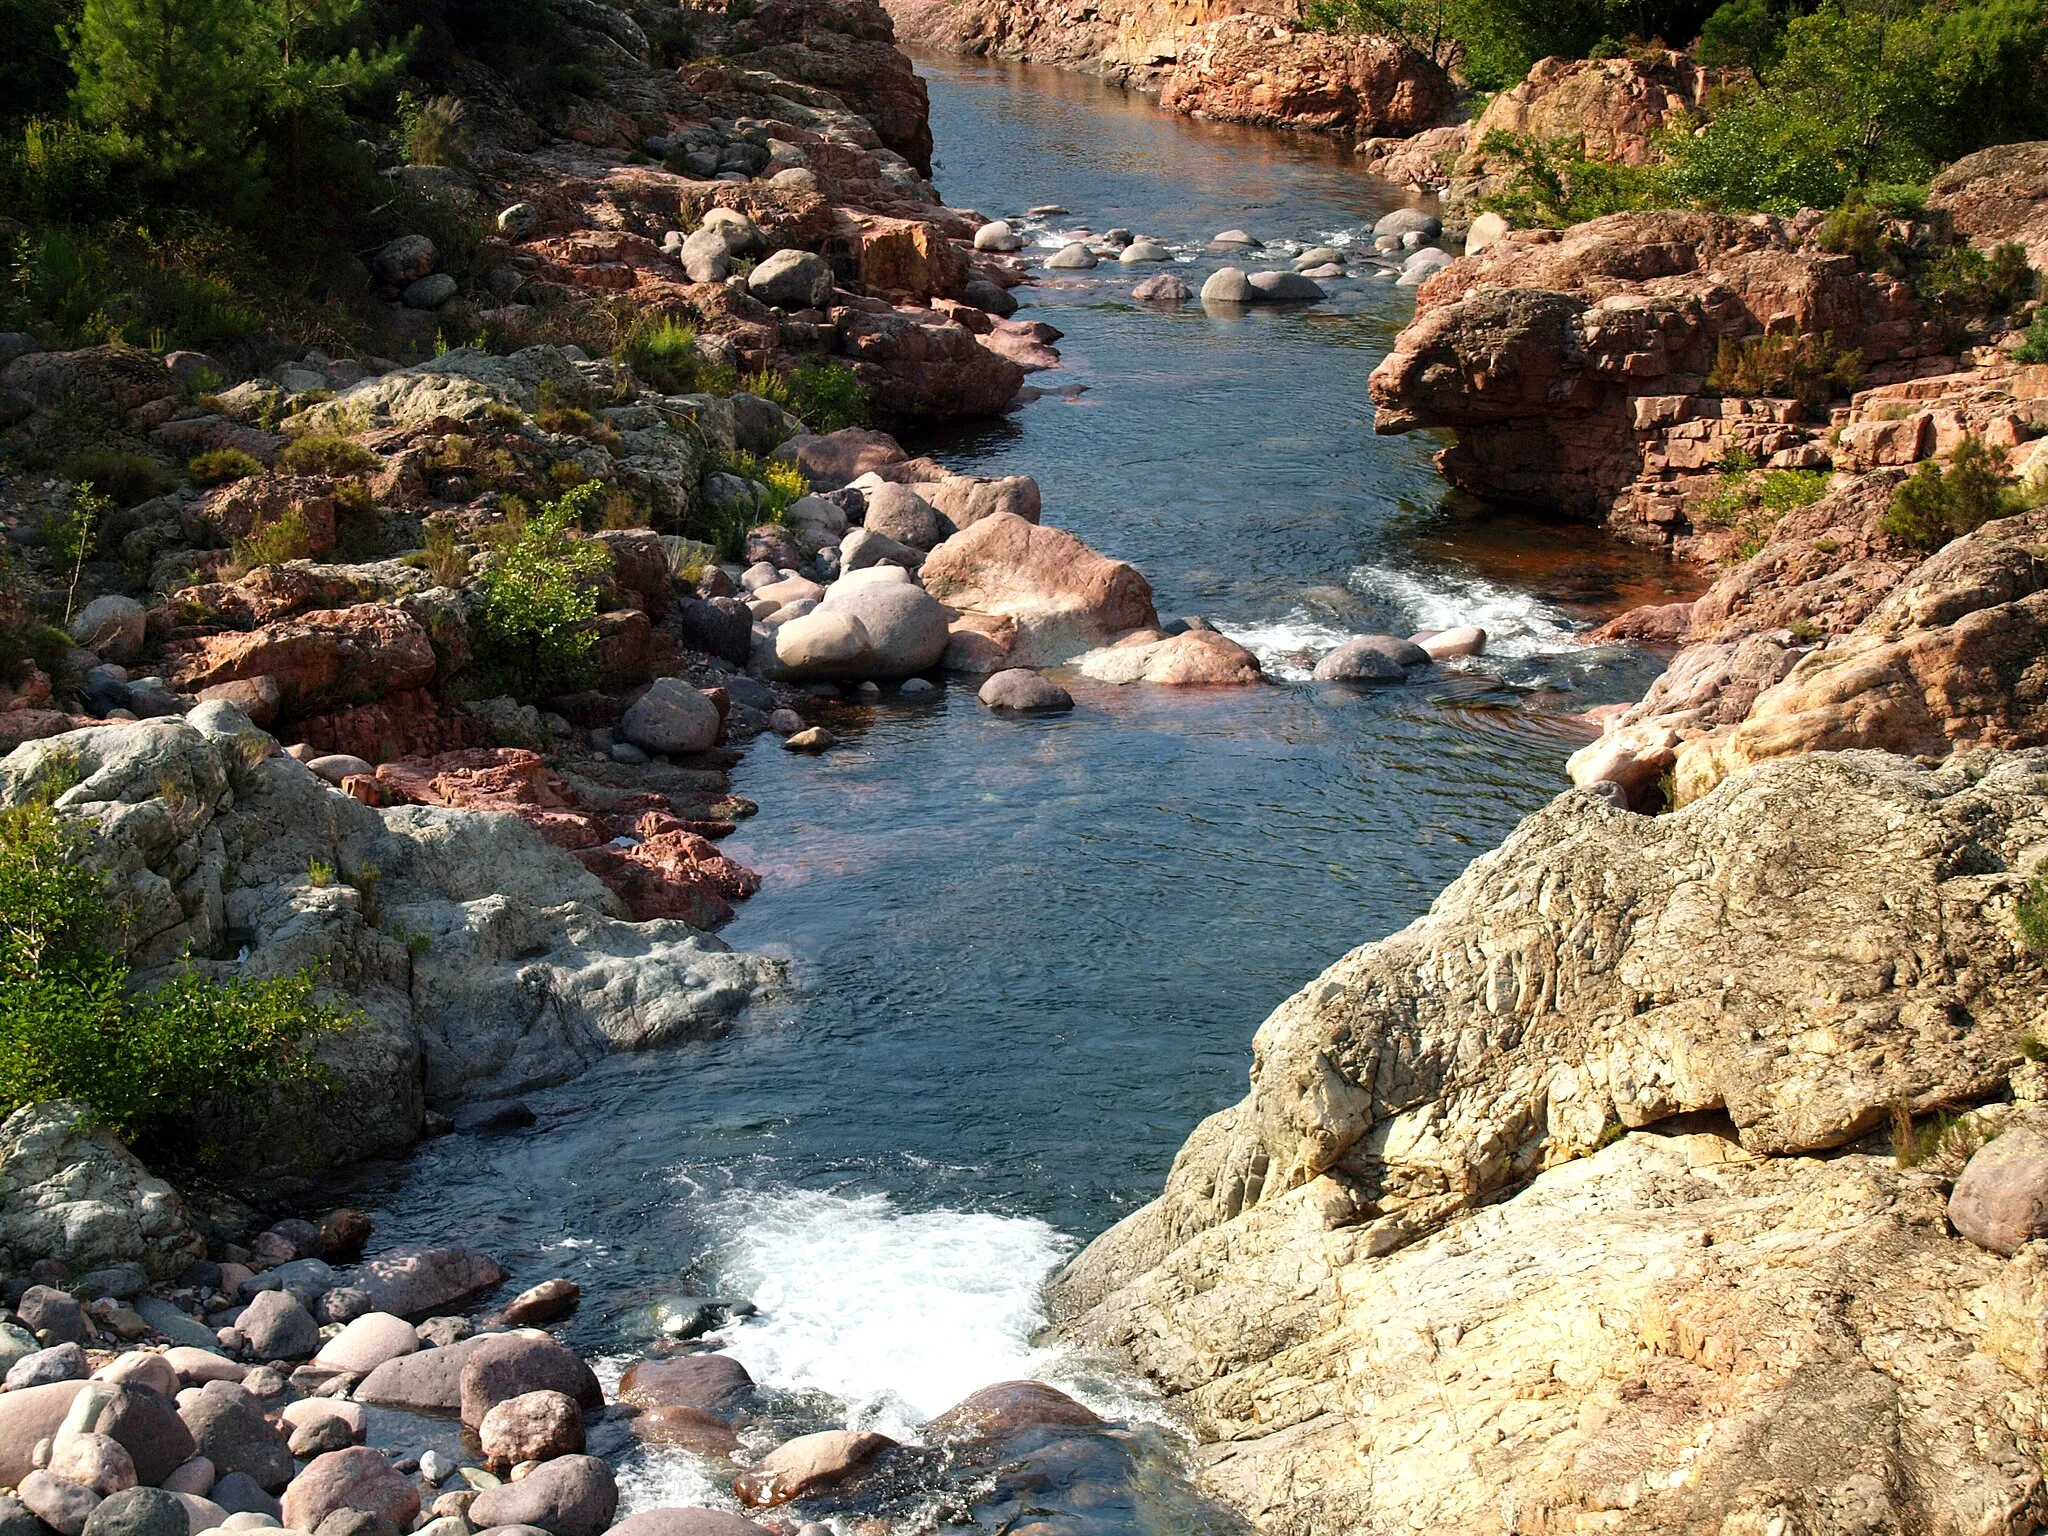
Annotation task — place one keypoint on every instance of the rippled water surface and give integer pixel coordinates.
(1029, 956)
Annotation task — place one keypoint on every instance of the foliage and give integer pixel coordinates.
(125, 478)
(2032, 915)
(663, 351)
(69, 1028)
(540, 595)
(432, 132)
(1860, 229)
(1745, 34)
(828, 396)
(1548, 184)
(1424, 25)
(326, 453)
(1937, 505)
(443, 559)
(1943, 1134)
(272, 543)
(672, 39)
(1962, 283)
(2034, 349)
(217, 466)
(1752, 503)
(1806, 368)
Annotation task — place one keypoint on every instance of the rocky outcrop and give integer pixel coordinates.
(1401, 1283)
(1998, 194)
(1046, 593)
(71, 1192)
(1573, 365)
(1246, 69)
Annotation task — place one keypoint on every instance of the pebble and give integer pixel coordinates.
(434, 1469)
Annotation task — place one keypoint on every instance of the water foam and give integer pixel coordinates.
(1517, 623)
(1289, 647)
(896, 1314)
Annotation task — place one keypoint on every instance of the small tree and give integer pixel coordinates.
(540, 596)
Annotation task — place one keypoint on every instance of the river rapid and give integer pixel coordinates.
(1028, 956)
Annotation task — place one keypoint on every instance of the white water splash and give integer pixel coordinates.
(1289, 647)
(898, 1315)
(1517, 623)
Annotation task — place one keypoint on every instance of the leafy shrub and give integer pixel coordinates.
(124, 478)
(1548, 184)
(217, 466)
(663, 351)
(1861, 230)
(1962, 283)
(2034, 349)
(432, 132)
(272, 543)
(326, 453)
(2032, 915)
(1944, 1134)
(1752, 503)
(1808, 369)
(1937, 505)
(1424, 25)
(69, 1027)
(540, 595)
(574, 421)
(828, 397)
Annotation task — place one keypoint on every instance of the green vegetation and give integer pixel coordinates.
(70, 1027)
(1942, 1134)
(540, 596)
(124, 478)
(217, 466)
(326, 453)
(1938, 504)
(1752, 503)
(2032, 914)
(826, 395)
(1808, 369)
(272, 543)
(432, 132)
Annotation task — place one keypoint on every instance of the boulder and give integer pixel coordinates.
(1009, 1409)
(823, 644)
(569, 1496)
(1063, 596)
(541, 1303)
(141, 1368)
(238, 1494)
(1370, 659)
(691, 1428)
(506, 1365)
(1284, 287)
(228, 1429)
(1165, 288)
(62, 1506)
(427, 1382)
(110, 626)
(1075, 256)
(146, 1424)
(837, 459)
(906, 628)
(706, 257)
(534, 1426)
(719, 626)
(53, 1316)
(278, 1327)
(1464, 640)
(967, 499)
(70, 1191)
(406, 259)
(92, 1461)
(717, 1384)
(1021, 691)
(46, 1367)
(808, 1464)
(863, 547)
(899, 513)
(2001, 1200)
(16, 1520)
(1198, 658)
(1143, 251)
(139, 1512)
(998, 236)
(367, 1342)
(323, 660)
(358, 1478)
(672, 717)
(413, 1282)
(792, 280)
(1229, 285)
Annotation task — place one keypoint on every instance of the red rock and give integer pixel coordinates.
(920, 363)
(1198, 658)
(839, 458)
(20, 725)
(808, 1464)
(355, 1478)
(1009, 1408)
(322, 660)
(691, 1428)
(900, 257)
(1251, 69)
(236, 509)
(715, 1384)
(1998, 194)
(624, 648)
(413, 723)
(1062, 595)
(509, 1365)
(534, 1426)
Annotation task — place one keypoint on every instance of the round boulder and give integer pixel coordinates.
(112, 626)
(229, 1430)
(998, 236)
(1228, 285)
(897, 512)
(687, 1522)
(792, 280)
(1021, 691)
(1367, 659)
(569, 1496)
(139, 1512)
(1421, 266)
(507, 1365)
(1487, 229)
(369, 1341)
(1464, 640)
(717, 1384)
(1285, 287)
(93, 1461)
(1144, 250)
(147, 1425)
(1075, 256)
(907, 628)
(356, 1478)
(705, 257)
(534, 1426)
(1406, 221)
(278, 1327)
(823, 643)
(64, 1507)
(672, 717)
(2001, 1200)
(807, 1464)
(1165, 288)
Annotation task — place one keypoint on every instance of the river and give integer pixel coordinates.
(1029, 956)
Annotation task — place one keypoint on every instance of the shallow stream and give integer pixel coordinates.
(1029, 956)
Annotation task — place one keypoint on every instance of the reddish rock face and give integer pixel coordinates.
(1248, 69)
(322, 660)
(900, 257)
(1062, 595)
(1998, 194)
(410, 724)
(921, 363)
(858, 62)
(236, 510)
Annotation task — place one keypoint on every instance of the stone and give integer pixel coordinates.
(1075, 256)
(1165, 288)
(139, 1512)
(229, 1430)
(367, 1342)
(688, 1522)
(1229, 285)
(717, 1384)
(45, 1367)
(985, 295)
(1143, 250)
(506, 1365)
(672, 717)
(323, 660)
(813, 740)
(123, 1281)
(111, 626)
(1370, 659)
(1062, 595)
(569, 1496)
(72, 1192)
(1198, 658)
(63, 1507)
(808, 1464)
(1487, 229)
(1408, 221)
(899, 513)
(837, 459)
(1257, 69)
(357, 1478)
(542, 1303)
(413, 1282)
(906, 629)
(194, 1477)
(1464, 640)
(997, 236)
(863, 547)
(356, 1522)
(693, 1429)
(314, 1410)
(143, 1369)
(1007, 1410)
(196, 1366)
(1238, 237)
(705, 257)
(429, 292)
(239, 1495)
(1421, 266)
(92, 1461)
(1285, 287)
(427, 1382)
(319, 1436)
(15, 1518)
(792, 280)
(967, 499)
(1019, 690)
(145, 1423)
(534, 1426)
(406, 259)
(2001, 1200)
(823, 644)
(278, 1327)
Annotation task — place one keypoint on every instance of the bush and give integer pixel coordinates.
(1805, 368)
(1752, 503)
(1937, 505)
(1423, 25)
(326, 453)
(2034, 349)
(432, 132)
(2031, 913)
(124, 478)
(1963, 284)
(663, 351)
(272, 543)
(217, 466)
(69, 1027)
(1552, 183)
(828, 397)
(539, 597)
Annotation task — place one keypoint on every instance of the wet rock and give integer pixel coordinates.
(2001, 1200)
(688, 1522)
(358, 1478)
(672, 717)
(1284, 287)
(367, 1342)
(1465, 640)
(1370, 659)
(229, 1430)
(998, 236)
(1062, 595)
(1008, 1409)
(1019, 690)
(715, 1383)
(814, 740)
(508, 1365)
(541, 1303)
(415, 1281)
(1143, 251)
(1229, 285)
(278, 1327)
(808, 1464)
(1075, 256)
(1197, 658)
(427, 1382)
(1163, 289)
(569, 1496)
(694, 1429)
(534, 1426)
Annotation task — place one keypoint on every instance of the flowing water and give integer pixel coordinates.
(1029, 956)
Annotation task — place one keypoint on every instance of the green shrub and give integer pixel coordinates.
(672, 39)
(828, 397)
(1963, 284)
(663, 351)
(1549, 184)
(272, 543)
(1808, 369)
(539, 597)
(2034, 349)
(2032, 915)
(217, 466)
(326, 453)
(432, 132)
(124, 478)
(1423, 25)
(1752, 503)
(70, 1028)
(1937, 505)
